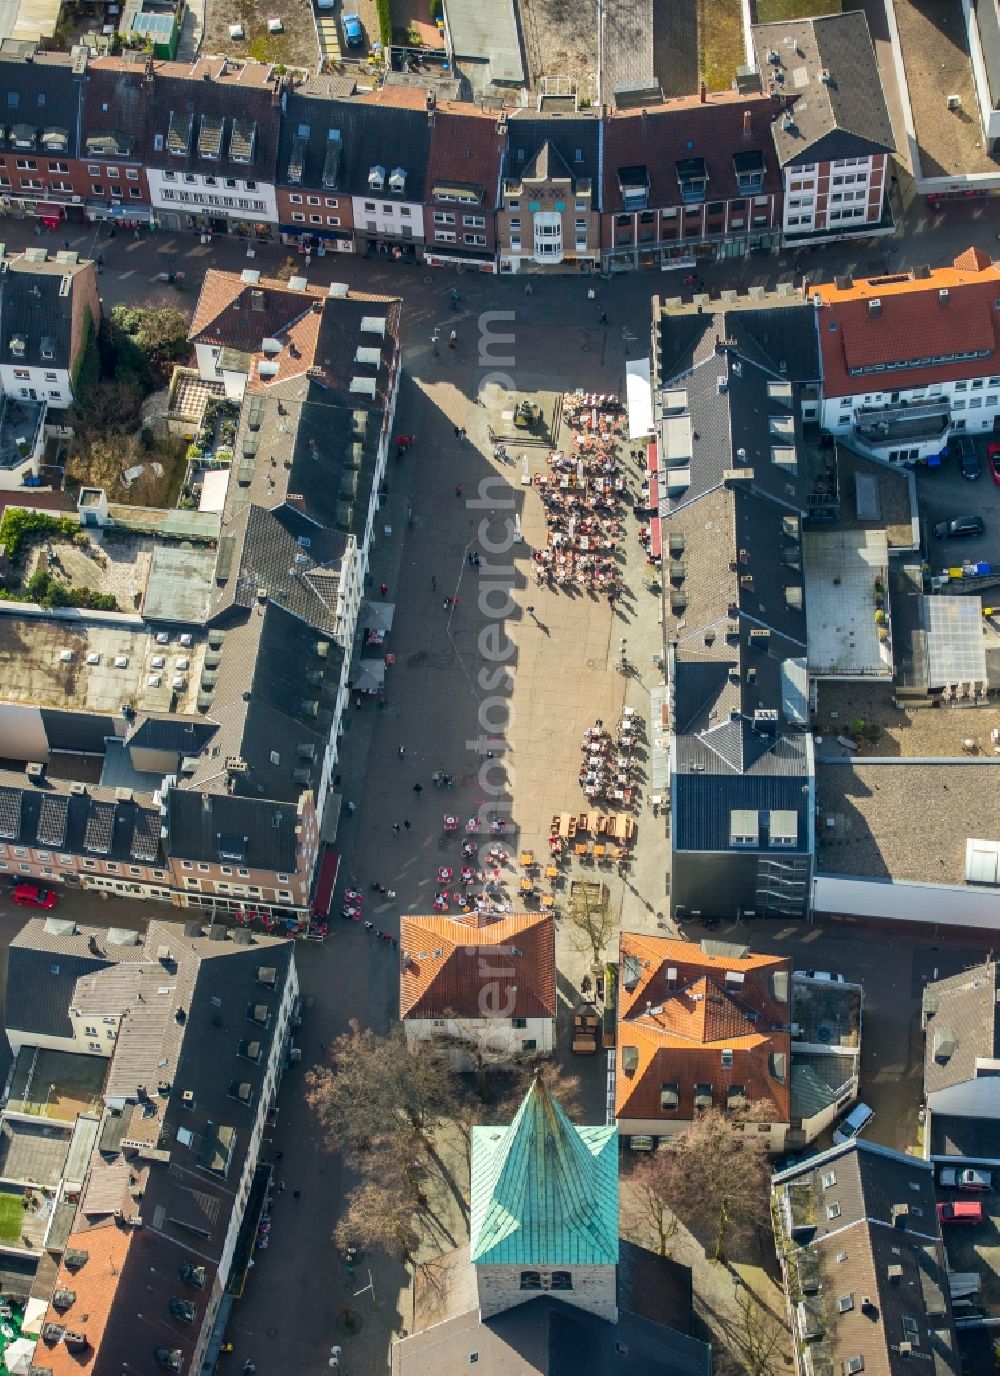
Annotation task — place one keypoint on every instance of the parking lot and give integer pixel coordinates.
(944, 494)
(976, 1247)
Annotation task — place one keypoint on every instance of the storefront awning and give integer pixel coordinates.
(377, 616)
(639, 397)
(326, 882)
(48, 210)
(655, 525)
(368, 675)
(465, 259)
(315, 232)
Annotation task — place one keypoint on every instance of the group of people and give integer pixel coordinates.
(608, 767)
(581, 495)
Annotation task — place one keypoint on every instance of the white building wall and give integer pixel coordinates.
(498, 1035)
(594, 1288)
(676, 1127)
(974, 404)
(192, 193)
(37, 384)
(402, 219)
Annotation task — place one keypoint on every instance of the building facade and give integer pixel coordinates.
(911, 359)
(50, 313)
(689, 182)
(550, 194)
(833, 136)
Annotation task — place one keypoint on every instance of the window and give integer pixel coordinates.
(59, 167)
(135, 192)
(185, 864)
(97, 189)
(476, 240)
(333, 220)
(531, 1280)
(833, 1210)
(519, 1022)
(202, 869)
(285, 895)
(298, 216)
(93, 171)
(515, 226)
(315, 219)
(131, 174)
(295, 200)
(113, 174)
(474, 221)
(444, 217)
(331, 203)
(90, 1032)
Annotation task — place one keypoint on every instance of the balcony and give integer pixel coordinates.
(633, 183)
(903, 422)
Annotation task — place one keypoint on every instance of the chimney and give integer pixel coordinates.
(431, 106)
(747, 124)
(943, 296)
(875, 306)
(703, 93)
(296, 501)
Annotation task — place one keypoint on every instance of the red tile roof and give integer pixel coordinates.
(680, 1012)
(466, 149)
(94, 1286)
(450, 964)
(912, 323)
(714, 130)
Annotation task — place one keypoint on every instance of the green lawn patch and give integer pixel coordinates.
(11, 1218)
(720, 42)
(774, 11)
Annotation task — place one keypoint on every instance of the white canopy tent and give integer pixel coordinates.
(639, 398)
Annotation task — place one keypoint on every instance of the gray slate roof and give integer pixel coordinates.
(827, 69)
(255, 833)
(867, 1233)
(34, 307)
(961, 1025)
(42, 92)
(48, 816)
(573, 142)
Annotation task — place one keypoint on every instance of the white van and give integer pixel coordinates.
(855, 1122)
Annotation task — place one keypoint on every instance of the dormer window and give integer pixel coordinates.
(48, 346)
(692, 177)
(703, 1096)
(18, 345)
(634, 185)
(376, 178)
(397, 180)
(749, 169)
(22, 136)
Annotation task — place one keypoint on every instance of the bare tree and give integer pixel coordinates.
(378, 1087)
(589, 913)
(715, 1176)
(757, 1337)
(647, 1201)
(379, 1213)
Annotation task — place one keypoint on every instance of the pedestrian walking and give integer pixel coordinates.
(457, 432)
(406, 825)
(458, 489)
(369, 926)
(604, 317)
(452, 339)
(446, 603)
(434, 583)
(395, 828)
(462, 433)
(383, 588)
(475, 559)
(136, 235)
(296, 1195)
(418, 789)
(402, 752)
(390, 893)
(281, 1187)
(279, 1155)
(530, 611)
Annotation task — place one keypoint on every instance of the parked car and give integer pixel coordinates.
(826, 976)
(966, 526)
(960, 1211)
(993, 459)
(854, 1124)
(965, 1178)
(350, 27)
(32, 896)
(969, 461)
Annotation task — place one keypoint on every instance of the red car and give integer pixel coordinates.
(993, 459)
(31, 896)
(961, 1211)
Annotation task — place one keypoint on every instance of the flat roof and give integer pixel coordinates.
(489, 31)
(840, 569)
(905, 820)
(956, 650)
(180, 583)
(33, 670)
